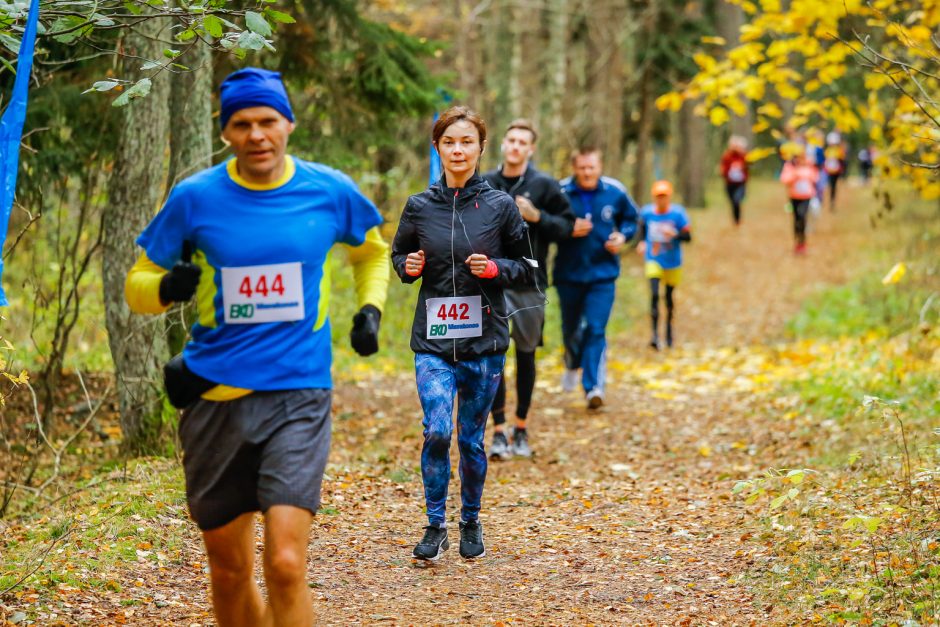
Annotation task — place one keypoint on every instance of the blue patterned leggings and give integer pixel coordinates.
(474, 383)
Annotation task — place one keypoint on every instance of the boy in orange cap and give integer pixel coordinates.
(663, 226)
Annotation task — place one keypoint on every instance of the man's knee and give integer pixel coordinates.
(229, 568)
(285, 566)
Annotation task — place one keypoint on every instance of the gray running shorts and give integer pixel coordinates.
(528, 319)
(245, 455)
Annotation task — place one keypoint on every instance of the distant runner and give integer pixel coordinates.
(734, 170)
(467, 243)
(800, 177)
(663, 228)
(834, 164)
(546, 210)
(587, 267)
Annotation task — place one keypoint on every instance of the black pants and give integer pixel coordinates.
(833, 182)
(525, 384)
(736, 196)
(800, 212)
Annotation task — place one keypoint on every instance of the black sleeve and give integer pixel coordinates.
(557, 220)
(514, 269)
(406, 241)
(640, 231)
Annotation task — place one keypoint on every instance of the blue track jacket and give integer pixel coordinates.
(584, 259)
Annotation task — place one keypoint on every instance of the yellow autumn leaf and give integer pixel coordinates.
(895, 274)
(771, 110)
(717, 41)
(761, 126)
(705, 450)
(718, 116)
(760, 153)
(671, 102)
(704, 61)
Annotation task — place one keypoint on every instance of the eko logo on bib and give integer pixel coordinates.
(454, 318)
(257, 294)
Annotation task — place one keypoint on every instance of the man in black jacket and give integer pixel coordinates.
(546, 211)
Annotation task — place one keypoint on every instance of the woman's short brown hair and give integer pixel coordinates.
(456, 114)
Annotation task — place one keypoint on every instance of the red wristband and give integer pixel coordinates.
(491, 271)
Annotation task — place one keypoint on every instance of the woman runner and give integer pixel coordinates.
(467, 242)
(735, 172)
(800, 177)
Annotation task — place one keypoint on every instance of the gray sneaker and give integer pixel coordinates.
(499, 449)
(595, 398)
(520, 444)
(570, 380)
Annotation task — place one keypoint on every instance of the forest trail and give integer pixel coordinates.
(624, 516)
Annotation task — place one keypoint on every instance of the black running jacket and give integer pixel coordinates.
(449, 225)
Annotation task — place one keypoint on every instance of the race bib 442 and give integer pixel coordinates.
(453, 318)
(256, 294)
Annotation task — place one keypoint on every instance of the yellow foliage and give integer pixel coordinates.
(771, 110)
(671, 102)
(760, 153)
(895, 274)
(799, 52)
(718, 116)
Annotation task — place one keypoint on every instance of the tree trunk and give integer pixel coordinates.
(692, 148)
(553, 146)
(136, 187)
(190, 151)
(191, 129)
(692, 156)
(729, 19)
(644, 141)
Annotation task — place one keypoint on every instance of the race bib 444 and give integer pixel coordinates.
(256, 294)
(453, 318)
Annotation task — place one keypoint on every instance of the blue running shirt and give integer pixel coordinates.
(667, 254)
(265, 240)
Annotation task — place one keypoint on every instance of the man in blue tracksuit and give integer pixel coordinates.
(587, 267)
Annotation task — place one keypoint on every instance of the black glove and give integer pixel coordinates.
(364, 336)
(179, 284)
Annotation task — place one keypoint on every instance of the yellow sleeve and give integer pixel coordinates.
(371, 266)
(142, 287)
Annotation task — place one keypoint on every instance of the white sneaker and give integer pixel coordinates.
(595, 398)
(570, 380)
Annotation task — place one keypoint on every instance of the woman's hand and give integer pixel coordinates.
(482, 266)
(414, 263)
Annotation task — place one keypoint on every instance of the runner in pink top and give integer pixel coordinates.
(800, 176)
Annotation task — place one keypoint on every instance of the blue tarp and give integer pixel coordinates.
(11, 128)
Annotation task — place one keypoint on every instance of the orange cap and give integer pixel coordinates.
(662, 188)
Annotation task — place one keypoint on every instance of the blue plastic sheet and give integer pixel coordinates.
(11, 128)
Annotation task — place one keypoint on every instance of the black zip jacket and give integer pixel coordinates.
(449, 225)
(557, 218)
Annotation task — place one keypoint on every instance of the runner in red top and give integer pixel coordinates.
(734, 172)
(800, 176)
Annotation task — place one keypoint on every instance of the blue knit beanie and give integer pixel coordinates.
(253, 87)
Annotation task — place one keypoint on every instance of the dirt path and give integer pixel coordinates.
(623, 517)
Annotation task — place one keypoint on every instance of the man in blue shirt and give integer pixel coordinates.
(251, 240)
(587, 267)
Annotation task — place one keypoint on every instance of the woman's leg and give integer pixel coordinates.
(437, 384)
(477, 381)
